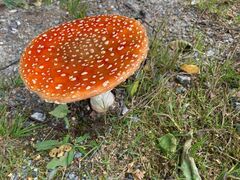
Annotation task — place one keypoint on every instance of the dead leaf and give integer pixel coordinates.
(37, 157)
(139, 175)
(130, 167)
(53, 152)
(190, 69)
(60, 153)
(67, 147)
(238, 94)
(181, 46)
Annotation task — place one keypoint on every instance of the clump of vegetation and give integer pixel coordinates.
(16, 126)
(76, 8)
(63, 151)
(16, 3)
(222, 8)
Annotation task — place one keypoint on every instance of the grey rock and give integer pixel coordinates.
(184, 79)
(14, 176)
(124, 109)
(181, 90)
(38, 116)
(235, 102)
(71, 176)
(78, 155)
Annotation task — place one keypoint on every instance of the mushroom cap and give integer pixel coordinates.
(83, 58)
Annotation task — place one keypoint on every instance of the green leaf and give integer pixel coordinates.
(62, 161)
(132, 89)
(60, 111)
(82, 138)
(82, 150)
(188, 165)
(66, 139)
(45, 145)
(189, 169)
(70, 157)
(168, 143)
(56, 162)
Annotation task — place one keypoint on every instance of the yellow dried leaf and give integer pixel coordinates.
(66, 147)
(190, 69)
(130, 167)
(53, 152)
(37, 157)
(139, 175)
(60, 153)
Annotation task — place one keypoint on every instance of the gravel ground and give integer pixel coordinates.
(19, 26)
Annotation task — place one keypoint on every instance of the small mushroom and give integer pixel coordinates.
(83, 58)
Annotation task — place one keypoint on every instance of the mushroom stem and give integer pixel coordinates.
(102, 102)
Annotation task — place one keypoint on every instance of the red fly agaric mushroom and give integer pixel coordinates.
(83, 58)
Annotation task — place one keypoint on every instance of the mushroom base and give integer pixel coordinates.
(102, 102)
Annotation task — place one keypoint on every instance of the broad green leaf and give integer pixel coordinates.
(56, 162)
(60, 111)
(82, 138)
(188, 165)
(132, 89)
(45, 145)
(66, 139)
(168, 143)
(189, 169)
(70, 157)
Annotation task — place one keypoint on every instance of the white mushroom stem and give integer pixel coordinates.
(102, 102)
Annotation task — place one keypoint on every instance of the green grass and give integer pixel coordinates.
(219, 7)
(16, 3)
(14, 125)
(204, 109)
(76, 8)
(11, 158)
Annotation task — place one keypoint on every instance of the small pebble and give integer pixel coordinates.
(184, 79)
(78, 155)
(38, 116)
(125, 109)
(235, 102)
(71, 176)
(181, 90)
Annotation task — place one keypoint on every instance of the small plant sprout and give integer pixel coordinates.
(84, 58)
(61, 112)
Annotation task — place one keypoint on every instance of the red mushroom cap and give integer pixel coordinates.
(83, 58)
